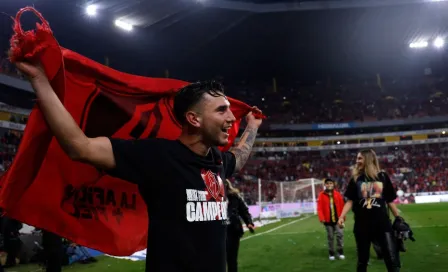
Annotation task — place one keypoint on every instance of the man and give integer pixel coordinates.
(181, 181)
(329, 207)
(11, 240)
(52, 245)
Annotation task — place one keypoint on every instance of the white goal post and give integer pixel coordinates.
(288, 198)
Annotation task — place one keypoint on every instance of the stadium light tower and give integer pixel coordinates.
(123, 25)
(91, 10)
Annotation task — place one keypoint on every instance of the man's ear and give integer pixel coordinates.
(193, 118)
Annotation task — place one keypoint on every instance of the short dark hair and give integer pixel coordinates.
(190, 95)
(328, 180)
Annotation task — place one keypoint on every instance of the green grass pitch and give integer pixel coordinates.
(299, 245)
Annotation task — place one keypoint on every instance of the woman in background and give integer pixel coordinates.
(236, 210)
(369, 194)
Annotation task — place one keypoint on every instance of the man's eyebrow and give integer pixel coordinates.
(222, 107)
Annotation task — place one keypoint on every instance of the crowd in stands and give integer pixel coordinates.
(354, 100)
(412, 169)
(360, 100)
(8, 148)
(415, 169)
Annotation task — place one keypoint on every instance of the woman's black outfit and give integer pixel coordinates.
(236, 209)
(372, 222)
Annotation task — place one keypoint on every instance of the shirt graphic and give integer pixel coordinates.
(370, 192)
(209, 204)
(332, 209)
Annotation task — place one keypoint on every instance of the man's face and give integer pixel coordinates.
(215, 120)
(329, 185)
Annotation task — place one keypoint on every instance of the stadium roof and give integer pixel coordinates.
(203, 38)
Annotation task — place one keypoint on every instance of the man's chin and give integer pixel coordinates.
(223, 142)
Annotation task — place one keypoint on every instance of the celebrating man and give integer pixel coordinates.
(181, 181)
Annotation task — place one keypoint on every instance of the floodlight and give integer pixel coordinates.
(421, 44)
(91, 10)
(123, 25)
(439, 42)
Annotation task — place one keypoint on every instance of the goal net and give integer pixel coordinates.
(288, 198)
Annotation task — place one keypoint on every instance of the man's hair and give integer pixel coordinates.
(190, 95)
(328, 180)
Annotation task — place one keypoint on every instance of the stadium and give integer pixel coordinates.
(332, 77)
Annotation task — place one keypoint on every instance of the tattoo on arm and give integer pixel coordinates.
(244, 148)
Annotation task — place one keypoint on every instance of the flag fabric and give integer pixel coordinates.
(45, 189)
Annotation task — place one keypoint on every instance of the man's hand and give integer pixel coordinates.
(253, 121)
(251, 228)
(341, 223)
(34, 73)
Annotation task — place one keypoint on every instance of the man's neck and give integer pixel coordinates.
(195, 144)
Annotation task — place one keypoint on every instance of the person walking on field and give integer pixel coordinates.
(370, 194)
(329, 208)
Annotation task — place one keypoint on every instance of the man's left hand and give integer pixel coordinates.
(253, 121)
(251, 228)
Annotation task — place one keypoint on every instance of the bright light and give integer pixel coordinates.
(443, 132)
(123, 25)
(439, 42)
(91, 10)
(422, 44)
(338, 142)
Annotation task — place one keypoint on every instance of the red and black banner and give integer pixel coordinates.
(45, 189)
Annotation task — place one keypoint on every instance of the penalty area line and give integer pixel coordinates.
(276, 228)
(321, 232)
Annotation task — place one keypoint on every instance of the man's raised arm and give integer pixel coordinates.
(244, 148)
(95, 151)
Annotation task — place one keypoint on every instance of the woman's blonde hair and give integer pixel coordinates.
(371, 165)
(230, 189)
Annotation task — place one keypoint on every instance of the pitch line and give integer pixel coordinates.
(276, 228)
(315, 231)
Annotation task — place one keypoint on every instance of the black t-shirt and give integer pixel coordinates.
(370, 198)
(185, 197)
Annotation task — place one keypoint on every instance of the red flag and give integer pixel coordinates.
(44, 188)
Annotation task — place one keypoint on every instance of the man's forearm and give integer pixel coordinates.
(244, 148)
(61, 123)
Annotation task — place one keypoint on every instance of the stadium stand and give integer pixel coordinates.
(313, 130)
(426, 98)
